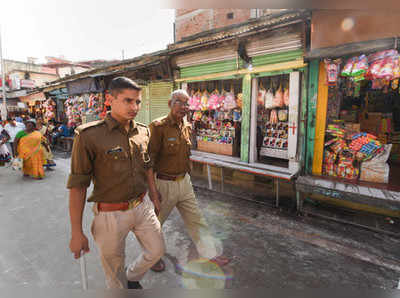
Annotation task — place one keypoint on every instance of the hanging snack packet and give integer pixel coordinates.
(204, 100)
(348, 68)
(360, 67)
(278, 99)
(261, 95)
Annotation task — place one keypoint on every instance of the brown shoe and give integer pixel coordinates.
(159, 266)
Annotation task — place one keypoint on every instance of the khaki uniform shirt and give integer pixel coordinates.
(114, 159)
(169, 146)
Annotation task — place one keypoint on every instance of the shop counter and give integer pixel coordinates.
(277, 173)
(377, 195)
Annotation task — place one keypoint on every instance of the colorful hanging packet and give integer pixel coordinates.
(348, 68)
(261, 95)
(204, 100)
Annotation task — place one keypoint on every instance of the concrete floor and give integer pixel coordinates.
(268, 247)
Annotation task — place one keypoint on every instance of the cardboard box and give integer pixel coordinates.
(371, 123)
(212, 147)
(353, 127)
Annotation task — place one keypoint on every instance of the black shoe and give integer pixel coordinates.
(134, 285)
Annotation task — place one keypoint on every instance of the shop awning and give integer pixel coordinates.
(81, 86)
(362, 194)
(352, 48)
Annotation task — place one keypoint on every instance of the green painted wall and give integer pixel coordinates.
(245, 127)
(277, 57)
(311, 113)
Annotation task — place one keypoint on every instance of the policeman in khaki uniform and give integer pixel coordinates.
(113, 154)
(170, 150)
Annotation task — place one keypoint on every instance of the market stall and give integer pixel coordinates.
(216, 115)
(356, 149)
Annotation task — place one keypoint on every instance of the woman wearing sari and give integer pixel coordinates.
(48, 155)
(29, 148)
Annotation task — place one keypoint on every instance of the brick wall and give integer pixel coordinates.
(190, 22)
(221, 17)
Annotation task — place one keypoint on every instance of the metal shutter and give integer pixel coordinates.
(159, 94)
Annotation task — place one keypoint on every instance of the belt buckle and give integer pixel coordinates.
(180, 178)
(133, 203)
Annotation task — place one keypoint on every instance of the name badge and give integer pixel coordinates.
(171, 139)
(114, 150)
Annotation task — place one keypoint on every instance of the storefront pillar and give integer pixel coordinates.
(320, 125)
(311, 113)
(245, 125)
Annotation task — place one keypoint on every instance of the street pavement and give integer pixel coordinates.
(267, 247)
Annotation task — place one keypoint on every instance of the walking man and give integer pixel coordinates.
(113, 154)
(170, 150)
(12, 128)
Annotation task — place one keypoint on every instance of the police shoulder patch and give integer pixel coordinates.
(159, 121)
(86, 126)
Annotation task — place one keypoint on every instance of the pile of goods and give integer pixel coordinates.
(50, 107)
(216, 101)
(381, 68)
(273, 114)
(276, 136)
(346, 151)
(83, 107)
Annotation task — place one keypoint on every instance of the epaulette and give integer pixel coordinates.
(159, 121)
(141, 124)
(85, 126)
(144, 126)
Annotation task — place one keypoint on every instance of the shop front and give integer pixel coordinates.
(246, 103)
(85, 102)
(35, 103)
(354, 127)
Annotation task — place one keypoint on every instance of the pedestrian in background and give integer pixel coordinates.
(12, 128)
(113, 154)
(28, 147)
(170, 145)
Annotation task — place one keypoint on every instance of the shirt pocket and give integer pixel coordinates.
(116, 162)
(171, 145)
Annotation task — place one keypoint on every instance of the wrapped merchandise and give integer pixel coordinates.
(194, 101)
(230, 102)
(332, 71)
(345, 168)
(382, 55)
(278, 98)
(273, 118)
(213, 101)
(261, 96)
(360, 67)
(204, 101)
(286, 96)
(377, 169)
(283, 115)
(348, 67)
(269, 100)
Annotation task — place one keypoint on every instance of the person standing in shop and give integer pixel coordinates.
(169, 149)
(124, 195)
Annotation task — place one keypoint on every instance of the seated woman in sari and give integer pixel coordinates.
(48, 155)
(28, 147)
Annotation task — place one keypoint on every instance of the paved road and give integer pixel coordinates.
(268, 248)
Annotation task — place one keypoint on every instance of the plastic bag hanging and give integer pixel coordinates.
(261, 95)
(269, 98)
(230, 102)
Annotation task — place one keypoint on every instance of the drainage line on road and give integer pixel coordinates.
(395, 235)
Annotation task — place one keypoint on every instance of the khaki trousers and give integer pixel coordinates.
(110, 230)
(180, 194)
